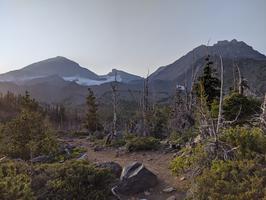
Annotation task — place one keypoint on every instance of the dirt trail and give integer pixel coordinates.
(157, 162)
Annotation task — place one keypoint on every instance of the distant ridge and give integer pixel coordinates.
(251, 62)
(59, 65)
(60, 80)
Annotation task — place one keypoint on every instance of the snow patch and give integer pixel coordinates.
(90, 82)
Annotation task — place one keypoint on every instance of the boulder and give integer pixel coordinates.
(114, 167)
(171, 198)
(135, 178)
(169, 189)
(40, 159)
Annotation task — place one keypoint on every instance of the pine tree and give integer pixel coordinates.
(28, 103)
(92, 121)
(210, 83)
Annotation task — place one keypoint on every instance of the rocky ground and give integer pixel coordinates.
(169, 186)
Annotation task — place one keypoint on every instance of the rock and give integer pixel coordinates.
(115, 168)
(197, 139)
(83, 157)
(66, 148)
(135, 178)
(67, 151)
(171, 198)
(146, 193)
(169, 190)
(40, 159)
(70, 146)
(98, 148)
(182, 178)
(3, 158)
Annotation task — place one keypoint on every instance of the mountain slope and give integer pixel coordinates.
(65, 69)
(60, 66)
(250, 61)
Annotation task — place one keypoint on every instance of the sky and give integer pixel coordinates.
(132, 35)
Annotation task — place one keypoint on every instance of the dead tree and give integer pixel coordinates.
(114, 92)
(181, 116)
(263, 115)
(206, 122)
(145, 106)
(219, 120)
(241, 82)
(114, 102)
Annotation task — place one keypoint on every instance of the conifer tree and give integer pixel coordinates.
(28, 103)
(210, 83)
(92, 121)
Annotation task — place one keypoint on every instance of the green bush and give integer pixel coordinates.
(189, 158)
(15, 183)
(28, 135)
(142, 144)
(73, 180)
(232, 104)
(69, 180)
(250, 142)
(78, 151)
(242, 180)
(181, 138)
(118, 142)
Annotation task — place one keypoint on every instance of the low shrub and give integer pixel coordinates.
(181, 138)
(250, 141)
(189, 158)
(74, 180)
(118, 143)
(234, 102)
(15, 182)
(77, 152)
(227, 180)
(70, 180)
(142, 144)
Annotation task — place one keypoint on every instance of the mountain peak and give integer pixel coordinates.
(229, 50)
(227, 42)
(60, 66)
(124, 76)
(58, 59)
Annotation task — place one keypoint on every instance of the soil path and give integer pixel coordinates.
(156, 161)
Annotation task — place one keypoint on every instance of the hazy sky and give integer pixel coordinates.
(132, 35)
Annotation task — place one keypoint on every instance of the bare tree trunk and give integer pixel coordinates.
(221, 97)
(263, 115)
(234, 79)
(110, 136)
(114, 91)
(145, 106)
(240, 88)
